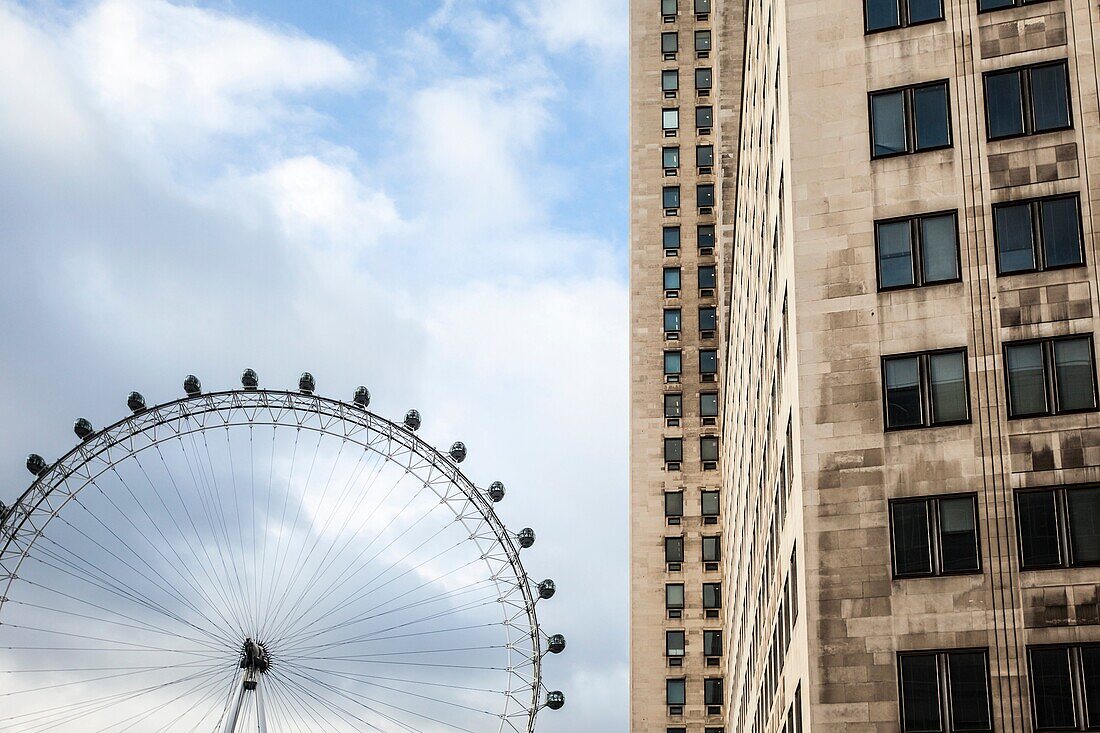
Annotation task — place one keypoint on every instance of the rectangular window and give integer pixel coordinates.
(963, 675)
(674, 450)
(881, 15)
(935, 535)
(927, 389)
(675, 643)
(670, 80)
(670, 119)
(709, 503)
(704, 156)
(712, 595)
(674, 503)
(702, 40)
(1038, 234)
(674, 549)
(916, 251)
(1058, 528)
(672, 320)
(703, 78)
(704, 117)
(1065, 686)
(1050, 376)
(704, 235)
(910, 120)
(668, 7)
(674, 405)
(670, 197)
(670, 42)
(1027, 100)
(708, 318)
(674, 596)
(712, 550)
(712, 691)
(712, 643)
(676, 692)
(673, 362)
(704, 193)
(708, 276)
(708, 404)
(708, 361)
(670, 157)
(708, 448)
(672, 278)
(702, 6)
(670, 237)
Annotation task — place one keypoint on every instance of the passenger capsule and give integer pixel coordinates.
(192, 386)
(458, 452)
(547, 589)
(249, 379)
(36, 464)
(83, 428)
(412, 420)
(496, 491)
(362, 397)
(555, 700)
(135, 402)
(556, 644)
(526, 537)
(306, 383)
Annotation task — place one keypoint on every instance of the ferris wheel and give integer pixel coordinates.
(265, 560)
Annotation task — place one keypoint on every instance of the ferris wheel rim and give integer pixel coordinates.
(274, 404)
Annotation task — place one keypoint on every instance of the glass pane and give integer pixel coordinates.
(920, 694)
(888, 123)
(709, 501)
(670, 119)
(958, 535)
(673, 362)
(1052, 688)
(1027, 390)
(674, 643)
(707, 276)
(711, 546)
(674, 549)
(708, 319)
(1090, 663)
(708, 361)
(671, 197)
(1049, 98)
(994, 4)
(895, 254)
(704, 155)
(672, 319)
(712, 691)
(902, 392)
(674, 449)
(670, 157)
(708, 404)
(930, 116)
(912, 553)
(702, 6)
(672, 278)
(674, 404)
(702, 78)
(702, 40)
(712, 643)
(705, 193)
(674, 595)
(708, 448)
(967, 678)
(881, 14)
(670, 42)
(676, 692)
(1038, 529)
(671, 237)
(1084, 525)
(670, 80)
(1014, 236)
(948, 379)
(1061, 227)
(712, 595)
(921, 11)
(1004, 107)
(674, 504)
(1073, 370)
(705, 235)
(668, 7)
(939, 248)
(704, 116)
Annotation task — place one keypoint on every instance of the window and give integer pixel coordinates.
(1027, 100)
(674, 596)
(670, 42)
(709, 503)
(702, 6)
(962, 674)
(672, 278)
(708, 318)
(712, 691)
(881, 15)
(708, 361)
(986, 5)
(712, 551)
(918, 250)
(703, 78)
(704, 193)
(674, 450)
(909, 120)
(668, 7)
(704, 117)
(708, 448)
(670, 237)
(934, 536)
(675, 643)
(926, 389)
(1038, 234)
(708, 404)
(674, 503)
(707, 276)
(670, 119)
(670, 80)
(702, 40)
(712, 595)
(670, 157)
(1065, 686)
(704, 156)
(676, 692)
(712, 643)
(673, 362)
(672, 320)
(674, 405)
(674, 549)
(1059, 527)
(705, 235)
(670, 197)
(1051, 376)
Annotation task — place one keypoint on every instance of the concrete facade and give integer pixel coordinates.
(813, 615)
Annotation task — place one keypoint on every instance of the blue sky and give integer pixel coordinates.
(428, 197)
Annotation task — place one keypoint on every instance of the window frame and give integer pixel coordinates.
(943, 685)
(668, 495)
(683, 645)
(707, 80)
(678, 315)
(1063, 530)
(917, 245)
(1015, 4)
(925, 389)
(1027, 99)
(910, 118)
(1050, 378)
(1077, 682)
(664, 363)
(1038, 242)
(903, 19)
(698, 109)
(675, 35)
(935, 536)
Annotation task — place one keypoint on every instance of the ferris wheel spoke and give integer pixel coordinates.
(305, 699)
(310, 687)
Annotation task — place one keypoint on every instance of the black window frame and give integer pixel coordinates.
(1027, 101)
(664, 363)
(717, 406)
(702, 502)
(669, 449)
(716, 539)
(916, 244)
(1079, 694)
(1063, 527)
(699, 110)
(712, 275)
(678, 314)
(705, 441)
(665, 192)
(935, 536)
(1050, 376)
(668, 697)
(1013, 4)
(665, 111)
(674, 548)
(714, 687)
(683, 597)
(675, 7)
(675, 36)
(1038, 243)
(943, 688)
(671, 509)
(925, 390)
(903, 19)
(674, 76)
(708, 318)
(708, 352)
(678, 400)
(665, 149)
(716, 590)
(910, 118)
(705, 194)
(709, 650)
(665, 233)
(703, 230)
(698, 161)
(707, 80)
(708, 35)
(669, 635)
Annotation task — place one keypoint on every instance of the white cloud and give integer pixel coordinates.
(596, 24)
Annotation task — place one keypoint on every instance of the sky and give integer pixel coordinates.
(427, 197)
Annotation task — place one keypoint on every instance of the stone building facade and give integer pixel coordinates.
(863, 495)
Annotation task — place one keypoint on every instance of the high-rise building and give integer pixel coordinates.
(865, 445)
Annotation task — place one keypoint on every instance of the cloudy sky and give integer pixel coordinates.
(427, 197)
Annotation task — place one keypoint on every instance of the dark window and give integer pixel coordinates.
(703, 78)
(1065, 686)
(670, 42)
(881, 15)
(674, 595)
(674, 503)
(704, 192)
(675, 642)
(704, 155)
(674, 450)
(670, 157)
(934, 536)
(674, 549)
(668, 7)
(704, 235)
(910, 120)
(676, 692)
(670, 80)
(672, 278)
(671, 237)
(712, 643)
(1039, 234)
(1051, 376)
(712, 551)
(1059, 527)
(708, 361)
(670, 119)
(702, 40)
(712, 691)
(671, 197)
(707, 276)
(708, 448)
(709, 503)
(673, 362)
(712, 595)
(674, 405)
(1027, 100)
(702, 6)
(708, 319)
(916, 251)
(704, 117)
(926, 389)
(964, 675)
(672, 320)
(708, 404)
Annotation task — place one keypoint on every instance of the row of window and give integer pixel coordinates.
(707, 278)
(711, 549)
(676, 694)
(674, 404)
(882, 15)
(670, 157)
(709, 506)
(708, 362)
(1051, 376)
(670, 79)
(1026, 100)
(676, 643)
(671, 7)
(708, 451)
(708, 320)
(670, 43)
(704, 196)
(670, 119)
(704, 237)
(674, 598)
